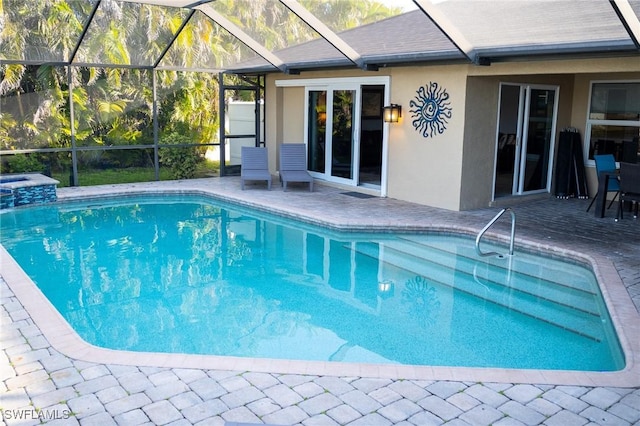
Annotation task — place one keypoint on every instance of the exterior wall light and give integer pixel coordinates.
(392, 113)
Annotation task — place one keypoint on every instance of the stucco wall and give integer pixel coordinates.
(424, 170)
(478, 161)
(293, 104)
(291, 124)
(452, 170)
(427, 170)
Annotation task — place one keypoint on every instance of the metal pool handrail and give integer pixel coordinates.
(491, 222)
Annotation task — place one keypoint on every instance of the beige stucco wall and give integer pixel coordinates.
(289, 127)
(427, 170)
(421, 170)
(293, 102)
(452, 170)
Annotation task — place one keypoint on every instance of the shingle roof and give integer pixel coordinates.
(383, 42)
(492, 25)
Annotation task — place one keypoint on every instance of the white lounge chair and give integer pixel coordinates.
(254, 165)
(293, 164)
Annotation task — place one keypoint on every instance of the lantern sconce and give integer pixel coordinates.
(392, 113)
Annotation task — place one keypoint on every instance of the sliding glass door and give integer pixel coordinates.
(526, 137)
(345, 133)
(332, 132)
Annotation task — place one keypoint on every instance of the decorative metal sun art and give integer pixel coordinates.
(431, 110)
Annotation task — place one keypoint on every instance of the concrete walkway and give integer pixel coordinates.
(39, 384)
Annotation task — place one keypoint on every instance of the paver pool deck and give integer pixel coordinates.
(49, 376)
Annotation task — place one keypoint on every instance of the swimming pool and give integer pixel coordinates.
(259, 286)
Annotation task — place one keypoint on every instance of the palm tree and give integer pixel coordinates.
(38, 30)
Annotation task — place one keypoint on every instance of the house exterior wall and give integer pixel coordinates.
(581, 101)
(290, 128)
(478, 152)
(574, 96)
(453, 169)
(481, 124)
(421, 170)
(427, 170)
(293, 103)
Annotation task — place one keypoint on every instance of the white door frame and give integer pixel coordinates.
(521, 139)
(346, 83)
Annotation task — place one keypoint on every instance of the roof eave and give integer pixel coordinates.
(536, 52)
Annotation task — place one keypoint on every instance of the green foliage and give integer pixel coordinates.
(34, 162)
(21, 164)
(7, 122)
(183, 161)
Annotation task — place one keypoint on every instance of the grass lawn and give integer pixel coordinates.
(131, 175)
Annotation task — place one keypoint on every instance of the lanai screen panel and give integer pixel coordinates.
(274, 26)
(395, 36)
(531, 25)
(268, 22)
(390, 41)
(204, 45)
(131, 34)
(39, 31)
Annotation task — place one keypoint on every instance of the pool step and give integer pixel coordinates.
(574, 292)
(522, 262)
(488, 289)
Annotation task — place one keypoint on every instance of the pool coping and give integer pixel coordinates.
(63, 338)
(29, 180)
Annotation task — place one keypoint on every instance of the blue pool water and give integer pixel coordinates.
(186, 274)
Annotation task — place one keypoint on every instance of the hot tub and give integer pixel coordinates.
(27, 188)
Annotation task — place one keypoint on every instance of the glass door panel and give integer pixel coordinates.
(525, 139)
(507, 160)
(371, 134)
(317, 129)
(342, 145)
(535, 162)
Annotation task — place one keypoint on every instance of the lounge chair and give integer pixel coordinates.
(293, 164)
(254, 165)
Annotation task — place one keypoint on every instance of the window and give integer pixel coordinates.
(613, 123)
